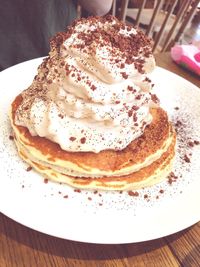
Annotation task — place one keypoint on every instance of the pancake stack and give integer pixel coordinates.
(89, 118)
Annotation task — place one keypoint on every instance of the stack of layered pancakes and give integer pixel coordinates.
(89, 118)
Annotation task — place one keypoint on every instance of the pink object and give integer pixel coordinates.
(187, 56)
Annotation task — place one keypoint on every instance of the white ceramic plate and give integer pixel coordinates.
(104, 217)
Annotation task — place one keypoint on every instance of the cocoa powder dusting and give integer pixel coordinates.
(129, 46)
(11, 137)
(133, 193)
(172, 178)
(29, 169)
(72, 138)
(83, 140)
(77, 190)
(186, 158)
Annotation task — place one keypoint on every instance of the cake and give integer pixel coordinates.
(89, 119)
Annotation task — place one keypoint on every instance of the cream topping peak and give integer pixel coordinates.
(92, 92)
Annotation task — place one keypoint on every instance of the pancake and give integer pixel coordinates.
(89, 118)
(145, 161)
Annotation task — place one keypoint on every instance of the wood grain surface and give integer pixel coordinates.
(23, 247)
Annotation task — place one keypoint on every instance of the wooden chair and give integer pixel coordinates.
(161, 22)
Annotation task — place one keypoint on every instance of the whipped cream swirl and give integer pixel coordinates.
(92, 92)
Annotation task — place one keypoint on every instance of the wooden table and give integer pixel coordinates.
(23, 247)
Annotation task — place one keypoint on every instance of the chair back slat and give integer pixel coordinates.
(182, 11)
(186, 20)
(114, 7)
(167, 17)
(165, 21)
(167, 5)
(152, 21)
(123, 9)
(139, 12)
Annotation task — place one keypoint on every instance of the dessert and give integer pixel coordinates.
(89, 118)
